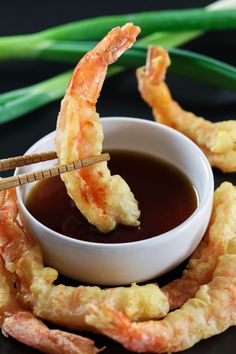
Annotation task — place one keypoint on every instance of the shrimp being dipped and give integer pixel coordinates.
(202, 263)
(217, 140)
(66, 305)
(103, 199)
(22, 325)
(210, 312)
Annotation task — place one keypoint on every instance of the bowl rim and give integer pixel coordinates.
(207, 195)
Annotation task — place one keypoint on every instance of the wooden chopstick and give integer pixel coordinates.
(18, 161)
(14, 181)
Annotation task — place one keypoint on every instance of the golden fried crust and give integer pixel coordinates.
(22, 325)
(67, 305)
(202, 263)
(8, 206)
(210, 312)
(103, 199)
(217, 140)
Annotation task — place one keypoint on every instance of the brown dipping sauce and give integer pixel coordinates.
(166, 198)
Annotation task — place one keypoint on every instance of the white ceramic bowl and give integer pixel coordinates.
(115, 264)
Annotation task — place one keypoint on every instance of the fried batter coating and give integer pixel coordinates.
(8, 206)
(66, 305)
(22, 325)
(210, 312)
(202, 263)
(103, 199)
(217, 140)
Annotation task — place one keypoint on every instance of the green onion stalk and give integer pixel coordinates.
(55, 44)
(218, 15)
(16, 103)
(199, 19)
(184, 63)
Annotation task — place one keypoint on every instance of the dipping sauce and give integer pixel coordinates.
(166, 198)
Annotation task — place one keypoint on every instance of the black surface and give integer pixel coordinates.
(119, 97)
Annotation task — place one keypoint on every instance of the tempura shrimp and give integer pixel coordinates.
(202, 263)
(66, 305)
(103, 199)
(22, 325)
(217, 140)
(210, 312)
(8, 206)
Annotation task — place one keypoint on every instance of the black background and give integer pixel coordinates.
(119, 98)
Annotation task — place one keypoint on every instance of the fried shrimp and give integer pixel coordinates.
(210, 312)
(202, 263)
(8, 206)
(217, 140)
(22, 325)
(66, 305)
(103, 199)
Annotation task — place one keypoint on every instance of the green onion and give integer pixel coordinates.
(15, 104)
(170, 20)
(169, 39)
(13, 47)
(32, 97)
(185, 63)
(21, 46)
(203, 68)
(12, 95)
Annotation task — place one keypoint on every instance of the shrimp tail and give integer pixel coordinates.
(24, 327)
(217, 140)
